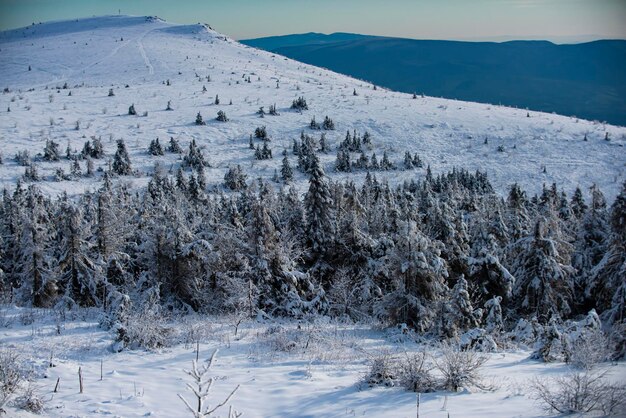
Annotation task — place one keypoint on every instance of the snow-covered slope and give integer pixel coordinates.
(136, 55)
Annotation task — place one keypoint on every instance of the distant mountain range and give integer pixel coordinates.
(587, 80)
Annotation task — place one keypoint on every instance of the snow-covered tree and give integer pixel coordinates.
(121, 160)
(318, 204)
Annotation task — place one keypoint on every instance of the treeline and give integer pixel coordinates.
(442, 255)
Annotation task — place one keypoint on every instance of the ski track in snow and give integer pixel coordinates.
(142, 51)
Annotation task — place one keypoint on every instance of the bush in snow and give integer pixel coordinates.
(131, 110)
(415, 373)
(383, 371)
(145, 329)
(587, 345)
(526, 331)
(552, 344)
(589, 349)
(460, 369)
(580, 392)
(477, 339)
(30, 400)
(11, 376)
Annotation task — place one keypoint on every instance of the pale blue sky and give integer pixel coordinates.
(421, 19)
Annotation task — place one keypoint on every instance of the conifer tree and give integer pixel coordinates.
(544, 279)
(286, 171)
(318, 204)
(79, 276)
(121, 160)
(155, 147)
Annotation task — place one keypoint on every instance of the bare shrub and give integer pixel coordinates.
(30, 400)
(27, 317)
(146, 329)
(280, 339)
(6, 320)
(580, 392)
(194, 332)
(383, 371)
(415, 373)
(589, 350)
(460, 368)
(11, 376)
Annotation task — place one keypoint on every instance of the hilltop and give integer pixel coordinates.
(137, 56)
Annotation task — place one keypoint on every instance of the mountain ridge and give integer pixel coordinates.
(572, 79)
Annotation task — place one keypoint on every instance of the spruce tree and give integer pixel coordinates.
(286, 171)
(51, 151)
(121, 160)
(199, 120)
(318, 204)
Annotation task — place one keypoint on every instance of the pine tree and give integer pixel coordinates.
(121, 160)
(199, 120)
(343, 161)
(494, 323)
(75, 169)
(606, 286)
(97, 150)
(328, 124)
(174, 146)
(235, 178)
(415, 275)
(578, 203)
(51, 151)
(194, 158)
(318, 204)
(323, 146)
(221, 116)
(299, 104)
(32, 269)
(286, 171)
(155, 147)
(79, 276)
(544, 284)
(261, 133)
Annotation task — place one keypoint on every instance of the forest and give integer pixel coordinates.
(444, 256)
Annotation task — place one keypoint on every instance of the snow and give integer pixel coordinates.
(95, 54)
(323, 379)
(287, 368)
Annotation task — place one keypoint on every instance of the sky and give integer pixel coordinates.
(556, 20)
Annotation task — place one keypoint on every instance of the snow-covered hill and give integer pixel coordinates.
(136, 56)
